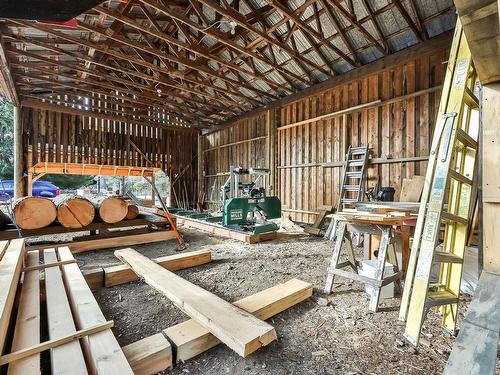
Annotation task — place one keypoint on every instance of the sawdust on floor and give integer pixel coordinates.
(332, 334)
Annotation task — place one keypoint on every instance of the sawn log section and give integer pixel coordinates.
(238, 329)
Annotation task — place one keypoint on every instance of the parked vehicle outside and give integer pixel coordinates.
(40, 189)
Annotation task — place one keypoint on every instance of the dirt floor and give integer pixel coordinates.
(314, 337)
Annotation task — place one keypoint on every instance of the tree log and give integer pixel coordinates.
(132, 210)
(74, 211)
(34, 212)
(110, 209)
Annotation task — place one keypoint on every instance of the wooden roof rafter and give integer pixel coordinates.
(210, 59)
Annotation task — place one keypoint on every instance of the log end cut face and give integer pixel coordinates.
(76, 213)
(34, 212)
(113, 209)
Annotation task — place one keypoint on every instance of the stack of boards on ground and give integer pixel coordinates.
(72, 211)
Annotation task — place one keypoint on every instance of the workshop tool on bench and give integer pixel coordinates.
(362, 223)
(353, 182)
(450, 178)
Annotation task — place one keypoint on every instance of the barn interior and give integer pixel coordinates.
(249, 187)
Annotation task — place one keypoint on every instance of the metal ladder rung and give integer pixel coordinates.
(358, 152)
(442, 257)
(440, 298)
(455, 218)
(351, 187)
(359, 148)
(348, 200)
(466, 139)
(356, 174)
(460, 177)
(471, 99)
(355, 163)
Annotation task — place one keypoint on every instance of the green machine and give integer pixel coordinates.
(245, 204)
(251, 214)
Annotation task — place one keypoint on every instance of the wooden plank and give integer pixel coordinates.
(27, 330)
(238, 329)
(60, 321)
(46, 345)
(412, 189)
(191, 339)
(106, 243)
(150, 355)
(122, 273)
(102, 351)
(10, 271)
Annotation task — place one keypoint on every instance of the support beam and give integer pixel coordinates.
(18, 154)
(490, 120)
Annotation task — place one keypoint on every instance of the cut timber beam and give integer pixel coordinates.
(103, 354)
(106, 243)
(122, 274)
(27, 331)
(10, 271)
(238, 329)
(149, 355)
(190, 339)
(60, 321)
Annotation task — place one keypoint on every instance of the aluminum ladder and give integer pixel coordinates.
(352, 188)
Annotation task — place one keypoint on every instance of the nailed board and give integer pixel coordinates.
(106, 356)
(239, 330)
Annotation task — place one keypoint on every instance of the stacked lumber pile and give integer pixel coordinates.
(72, 211)
(80, 339)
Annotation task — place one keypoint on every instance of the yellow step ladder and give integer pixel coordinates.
(450, 179)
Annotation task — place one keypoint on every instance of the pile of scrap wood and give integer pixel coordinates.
(72, 211)
(79, 339)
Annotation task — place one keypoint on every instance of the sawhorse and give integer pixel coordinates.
(386, 250)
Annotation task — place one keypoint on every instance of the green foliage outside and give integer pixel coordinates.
(7, 154)
(6, 140)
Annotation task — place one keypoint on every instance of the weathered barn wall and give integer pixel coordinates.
(308, 155)
(61, 137)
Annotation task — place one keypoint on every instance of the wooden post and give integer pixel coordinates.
(271, 149)
(18, 154)
(490, 119)
(201, 169)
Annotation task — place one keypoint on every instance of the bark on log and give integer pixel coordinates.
(34, 212)
(132, 210)
(110, 209)
(74, 211)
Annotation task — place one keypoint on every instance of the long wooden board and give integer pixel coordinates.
(238, 329)
(189, 339)
(10, 271)
(27, 331)
(106, 243)
(122, 273)
(60, 321)
(103, 354)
